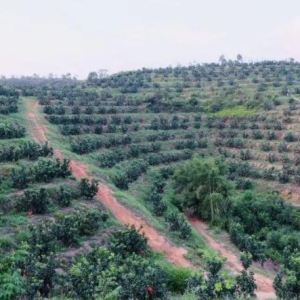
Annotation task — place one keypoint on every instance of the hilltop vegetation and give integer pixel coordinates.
(246, 113)
(219, 140)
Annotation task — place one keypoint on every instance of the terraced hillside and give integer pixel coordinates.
(132, 131)
(246, 113)
(50, 214)
(43, 209)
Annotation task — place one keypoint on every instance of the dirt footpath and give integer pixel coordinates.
(156, 240)
(265, 288)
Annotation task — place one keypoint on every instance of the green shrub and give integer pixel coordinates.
(88, 189)
(178, 277)
(128, 241)
(6, 243)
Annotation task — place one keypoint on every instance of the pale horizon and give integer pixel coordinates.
(64, 36)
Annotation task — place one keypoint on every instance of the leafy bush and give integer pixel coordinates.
(245, 154)
(130, 173)
(178, 278)
(64, 196)
(46, 170)
(129, 278)
(208, 188)
(282, 147)
(266, 146)
(88, 189)
(177, 222)
(35, 201)
(29, 150)
(43, 171)
(128, 241)
(257, 135)
(290, 137)
(11, 131)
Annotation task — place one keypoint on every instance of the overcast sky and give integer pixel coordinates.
(79, 36)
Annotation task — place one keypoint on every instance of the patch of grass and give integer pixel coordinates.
(236, 111)
(14, 220)
(22, 236)
(6, 243)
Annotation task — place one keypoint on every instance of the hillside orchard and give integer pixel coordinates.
(218, 141)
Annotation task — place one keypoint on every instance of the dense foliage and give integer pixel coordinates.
(263, 225)
(11, 131)
(28, 150)
(204, 188)
(8, 100)
(43, 171)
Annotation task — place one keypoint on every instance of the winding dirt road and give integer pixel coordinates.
(156, 240)
(265, 288)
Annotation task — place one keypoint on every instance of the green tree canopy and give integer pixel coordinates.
(204, 187)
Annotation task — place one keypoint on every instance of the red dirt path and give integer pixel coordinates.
(156, 240)
(37, 130)
(265, 288)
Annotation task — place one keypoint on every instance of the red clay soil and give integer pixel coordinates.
(265, 288)
(156, 240)
(291, 195)
(37, 131)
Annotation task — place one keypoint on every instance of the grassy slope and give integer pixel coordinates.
(127, 198)
(209, 94)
